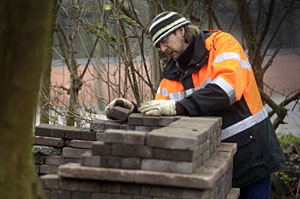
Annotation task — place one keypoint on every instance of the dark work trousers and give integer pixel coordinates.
(258, 190)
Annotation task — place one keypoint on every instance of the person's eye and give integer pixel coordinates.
(164, 40)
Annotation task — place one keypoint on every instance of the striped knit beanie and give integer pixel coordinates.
(165, 23)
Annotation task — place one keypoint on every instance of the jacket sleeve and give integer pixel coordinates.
(230, 69)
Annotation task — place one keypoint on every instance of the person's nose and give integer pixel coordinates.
(163, 48)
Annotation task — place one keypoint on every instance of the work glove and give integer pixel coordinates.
(118, 102)
(158, 107)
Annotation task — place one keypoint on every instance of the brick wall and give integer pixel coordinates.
(142, 158)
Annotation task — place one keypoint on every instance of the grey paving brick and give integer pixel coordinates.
(168, 166)
(69, 184)
(120, 113)
(150, 121)
(89, 160)
(101, 125)
(83, 144)
(166, 120)
(135, 119)
(143, 128)
(128, 188)
(50, 181)
(54, 160)
(89, 186)
(131, 163)
(127, 127)
(174, 155)
(110, 161)
(46, 150)
(80, 195)
(125, 150)
(48, 169)
(88, 135)
(172, 138)
(60, 194)
(109, 187)
(101, 196)
(124, 137)
(39, 159)
(69, 152)
(66, 160)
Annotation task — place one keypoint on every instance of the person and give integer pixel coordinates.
(208, 74)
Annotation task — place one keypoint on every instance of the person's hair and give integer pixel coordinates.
(190, 31)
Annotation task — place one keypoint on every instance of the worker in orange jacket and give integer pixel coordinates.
(208, 74)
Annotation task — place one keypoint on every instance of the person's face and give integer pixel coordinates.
(173, 44)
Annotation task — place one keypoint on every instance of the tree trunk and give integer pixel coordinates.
(24, 32)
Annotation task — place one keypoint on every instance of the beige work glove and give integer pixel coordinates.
(158, 107)
(118, 102)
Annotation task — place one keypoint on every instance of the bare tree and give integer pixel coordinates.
(256, 52)
(25, 29)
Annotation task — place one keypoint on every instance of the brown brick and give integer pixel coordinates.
(72, 134)
(100, 148)
(48, 141)
(58, 131)
(43, 130)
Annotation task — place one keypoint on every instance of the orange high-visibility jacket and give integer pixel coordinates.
(218, 80)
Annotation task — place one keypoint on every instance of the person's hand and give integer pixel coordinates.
(158, 107)
(118, 102)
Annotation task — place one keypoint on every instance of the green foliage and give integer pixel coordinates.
(286, 182)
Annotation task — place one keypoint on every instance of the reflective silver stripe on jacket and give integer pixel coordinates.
(226, 87)
(231, 55)
(223, 84)
(244, 124)
(180, 95)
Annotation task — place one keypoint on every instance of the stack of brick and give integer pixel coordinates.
(180, 146)
(55, 145)
(148, 158)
